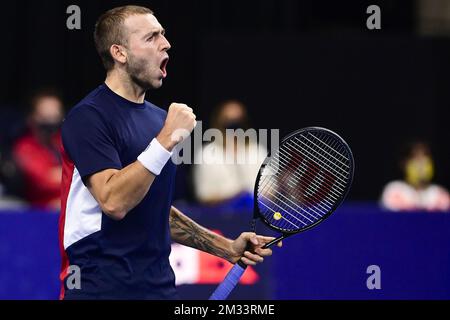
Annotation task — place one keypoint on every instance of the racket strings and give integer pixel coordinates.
(299, 177)
(285, 208)
(283, 217)
(340, 186)
(283, 205)
(270, 181)
(310, 152)
(330, 149)
(313, 182)
(306, 163)
(307, 180)
(333, 148)
(274, 183)
(318, 214)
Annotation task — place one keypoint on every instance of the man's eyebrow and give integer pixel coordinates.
(162, 31)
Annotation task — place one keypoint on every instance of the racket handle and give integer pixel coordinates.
(230, 281)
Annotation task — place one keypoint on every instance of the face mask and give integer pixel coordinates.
(48, 129)
(234, 125)
(419, 171)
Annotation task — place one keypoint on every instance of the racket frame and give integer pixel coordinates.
(286, 233)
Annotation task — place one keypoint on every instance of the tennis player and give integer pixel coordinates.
(117, 221)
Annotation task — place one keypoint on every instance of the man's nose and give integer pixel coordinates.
(165, 44)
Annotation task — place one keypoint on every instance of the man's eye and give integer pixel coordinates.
(150, 39)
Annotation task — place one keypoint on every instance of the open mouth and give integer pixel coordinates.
(163, 67)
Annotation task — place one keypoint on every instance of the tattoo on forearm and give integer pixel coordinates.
(187, 232)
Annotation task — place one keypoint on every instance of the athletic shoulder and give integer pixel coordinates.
(93, 101)
(155, 108)
(90, 109)
(157, 114)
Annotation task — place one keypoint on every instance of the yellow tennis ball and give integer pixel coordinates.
(277, 216)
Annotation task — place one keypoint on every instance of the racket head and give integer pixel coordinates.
(315, 159)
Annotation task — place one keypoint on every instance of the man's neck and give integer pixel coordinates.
(122, 85)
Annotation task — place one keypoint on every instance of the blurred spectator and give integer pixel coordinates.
(416, 192)
(37, 151)
(11, 181)
(216, 180)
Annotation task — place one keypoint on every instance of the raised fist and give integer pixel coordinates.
(179, 124)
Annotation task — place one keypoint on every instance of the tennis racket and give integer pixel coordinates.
(297, 187)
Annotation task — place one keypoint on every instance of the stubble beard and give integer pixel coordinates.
(139, 73)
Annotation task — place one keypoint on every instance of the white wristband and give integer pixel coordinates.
(154, 158)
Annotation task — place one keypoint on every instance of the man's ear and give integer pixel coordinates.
(118, 53)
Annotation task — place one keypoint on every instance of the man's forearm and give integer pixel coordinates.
(121, 190)
(189, 233)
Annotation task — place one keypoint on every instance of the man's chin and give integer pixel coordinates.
(159, 83)
(148, 84)
(156, 84)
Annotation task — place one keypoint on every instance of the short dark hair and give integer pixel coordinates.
(109, 30)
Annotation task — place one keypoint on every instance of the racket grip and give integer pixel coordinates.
(230, 281)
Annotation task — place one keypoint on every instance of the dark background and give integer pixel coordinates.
(294, 63)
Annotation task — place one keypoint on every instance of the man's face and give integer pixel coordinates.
(146, 50)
